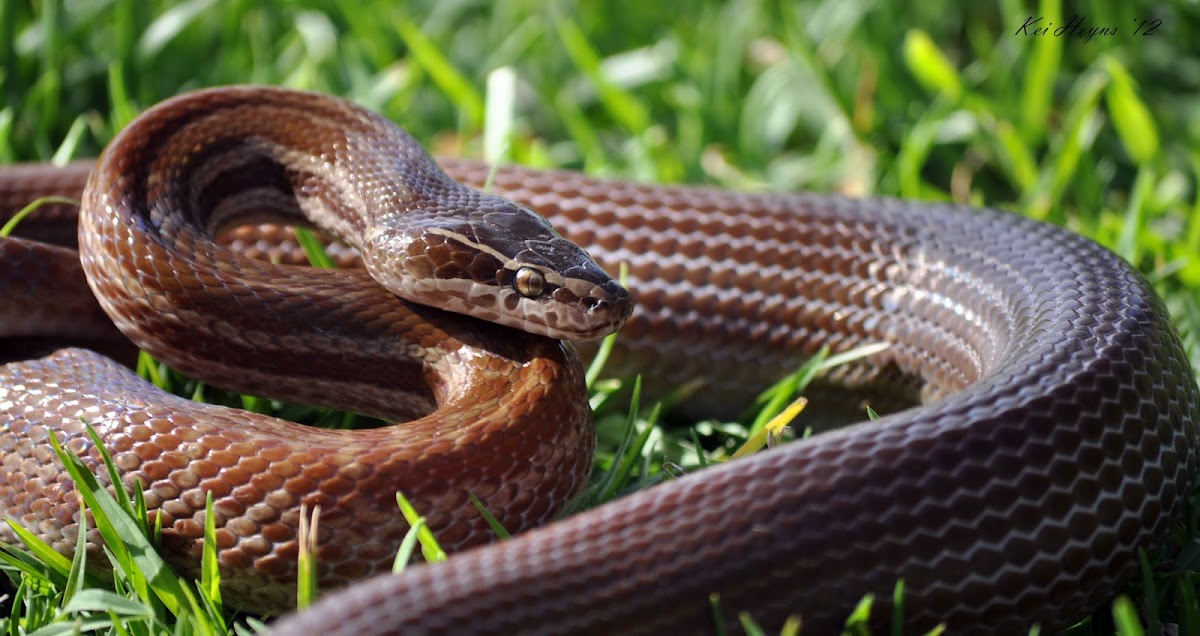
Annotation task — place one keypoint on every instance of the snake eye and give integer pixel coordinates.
(529, 282)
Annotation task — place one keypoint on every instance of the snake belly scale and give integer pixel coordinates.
(1051, 435)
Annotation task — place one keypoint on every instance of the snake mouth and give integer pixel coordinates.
(601, 309)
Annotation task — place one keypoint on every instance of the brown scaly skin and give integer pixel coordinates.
(1057, 435)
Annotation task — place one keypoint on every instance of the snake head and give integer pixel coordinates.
(493, 259)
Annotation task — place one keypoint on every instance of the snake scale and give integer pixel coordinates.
(1045, 423)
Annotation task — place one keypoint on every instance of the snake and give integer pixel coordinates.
(1040, 430)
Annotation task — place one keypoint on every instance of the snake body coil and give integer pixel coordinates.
(1056, 434)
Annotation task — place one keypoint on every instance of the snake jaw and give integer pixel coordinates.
(603, 303)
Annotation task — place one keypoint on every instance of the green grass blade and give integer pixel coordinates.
(44, 555)
(7, 154)
(79, 560)
(430, 549)
(314, 250)
(70, 144)
(750, 627)
(408, 545)
(771, 430)
(930, 66)
(106, 601)
(149, 574)
(621, 105)
(898, 609)
(1126, 618)
(1151, 594)
(492, 521)
(1129, 113)
(1080, 129)
(210, 575)
(629, 458)
(11, 225)
(114, 476)
(306, 566)
(1037, 94)
(500, 117)
(774, 399)
(718, 614)
(429, 56)
(1189, 609)
(857, 622)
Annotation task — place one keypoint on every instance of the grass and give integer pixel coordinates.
(936, 100)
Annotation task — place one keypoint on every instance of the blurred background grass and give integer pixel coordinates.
(930, 100)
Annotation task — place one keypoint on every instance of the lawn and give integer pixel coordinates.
(1095, 130)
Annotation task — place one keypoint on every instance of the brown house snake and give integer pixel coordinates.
(1056, 433)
